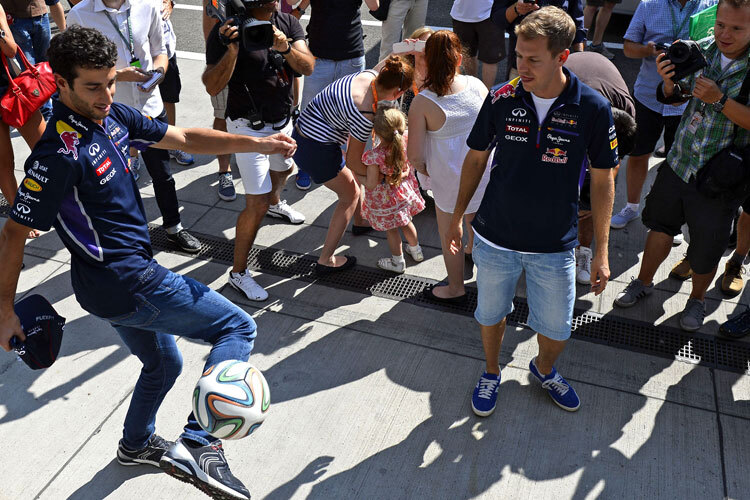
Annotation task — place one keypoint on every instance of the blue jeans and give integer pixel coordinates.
(550, 287)
(326, 72)
(32, 35)
(179, 306)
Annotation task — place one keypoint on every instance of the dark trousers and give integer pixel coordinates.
(157, 164)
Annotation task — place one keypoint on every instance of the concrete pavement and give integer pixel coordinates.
(370, 396)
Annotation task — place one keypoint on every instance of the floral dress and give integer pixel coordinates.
(387, 207)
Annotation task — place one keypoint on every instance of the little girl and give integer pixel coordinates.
(392, 194)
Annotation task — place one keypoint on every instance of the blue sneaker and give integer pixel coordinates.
(181, 157)
(303, 180)
(558, 388)
(485, 394)
(226, 187)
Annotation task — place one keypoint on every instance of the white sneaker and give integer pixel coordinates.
(282, 210)
(388, 264)
(621, 219)
(244, 283)
(678, 240)
(583, 265)
(415, 253)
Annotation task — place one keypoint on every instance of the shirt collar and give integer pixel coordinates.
(79, 122)
(571, 94)
(100, 7)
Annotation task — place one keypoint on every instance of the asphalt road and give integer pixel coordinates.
(187, 23)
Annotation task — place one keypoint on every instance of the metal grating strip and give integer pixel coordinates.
(626, 334)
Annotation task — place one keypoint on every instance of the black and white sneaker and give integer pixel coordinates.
(150, 454)
(205, 468)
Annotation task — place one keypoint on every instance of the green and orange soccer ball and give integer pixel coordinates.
(231, 399)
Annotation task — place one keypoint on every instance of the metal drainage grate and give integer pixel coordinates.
(626, 334)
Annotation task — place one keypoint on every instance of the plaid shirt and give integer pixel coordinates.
(691, 150)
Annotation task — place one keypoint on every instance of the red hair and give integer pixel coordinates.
(396, 73)
(442, 54)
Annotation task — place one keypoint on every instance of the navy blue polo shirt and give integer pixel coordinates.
(531, 201)
(77, 180)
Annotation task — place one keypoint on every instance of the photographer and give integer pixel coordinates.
(260, 81)
(713, 121)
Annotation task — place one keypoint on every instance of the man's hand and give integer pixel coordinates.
(10, 326)
(280, 40)
(665, 68)
(599, 274)
(706, 90)
(229, 35)
(277, 144)
(454, 236)
(655, 51)
(132, 74)
(524, 8)
(166, 9)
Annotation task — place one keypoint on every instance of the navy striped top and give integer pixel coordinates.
(332, 115)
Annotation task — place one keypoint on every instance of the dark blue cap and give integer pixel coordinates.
(43, 328)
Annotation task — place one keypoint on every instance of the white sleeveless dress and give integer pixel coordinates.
(445, 149)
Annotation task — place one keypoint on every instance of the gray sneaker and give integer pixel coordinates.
(634, 292)
(692, 316)
(621, 218)
(602, 50)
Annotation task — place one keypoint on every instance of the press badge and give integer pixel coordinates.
(695, 120)
(136, 63)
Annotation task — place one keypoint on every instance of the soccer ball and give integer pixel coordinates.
(231, 399)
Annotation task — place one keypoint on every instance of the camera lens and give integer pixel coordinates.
(678, 52)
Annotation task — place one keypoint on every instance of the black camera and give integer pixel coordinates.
(686, 56)
(254, 34)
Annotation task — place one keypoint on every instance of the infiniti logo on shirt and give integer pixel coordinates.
(22, 208)
(518, 112)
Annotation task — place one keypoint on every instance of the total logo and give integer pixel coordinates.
(517, 129)
(103, 167)
(555, 155)
(108, 177)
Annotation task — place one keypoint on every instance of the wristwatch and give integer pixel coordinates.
(300, 10)
(719, 105)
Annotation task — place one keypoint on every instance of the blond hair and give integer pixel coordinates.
(390, 124)
(551, 22)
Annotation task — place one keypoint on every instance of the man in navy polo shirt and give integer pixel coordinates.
(528, 216)
(77, 180)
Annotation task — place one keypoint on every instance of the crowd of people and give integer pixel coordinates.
(522, 173)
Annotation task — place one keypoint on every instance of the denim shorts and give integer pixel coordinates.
(320, 160)
(550, 287)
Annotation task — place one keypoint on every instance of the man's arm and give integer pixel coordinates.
(602, 199)
(298, 56)
(12, 241)
(372, 4)
(472, 171)
(707, 91)
(216, 76)
(636, 50)
(58, 15)
(207, 141)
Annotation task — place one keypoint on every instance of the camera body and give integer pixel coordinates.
(686, 56)
(254, 34)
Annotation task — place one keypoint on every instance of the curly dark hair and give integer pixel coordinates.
(79, 47)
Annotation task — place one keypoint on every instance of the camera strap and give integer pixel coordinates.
(742, 99)
(129, 43)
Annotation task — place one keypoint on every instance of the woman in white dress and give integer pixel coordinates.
(440, 119)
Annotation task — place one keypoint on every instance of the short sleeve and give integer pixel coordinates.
(483, 133)
(144, 130)
(48, 180)
(637, 28)
(215, 50)
(156, 39)
(602, 148)
(370, 157)
(294, 29)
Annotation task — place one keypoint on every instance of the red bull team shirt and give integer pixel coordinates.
(78, 180)
(531, 201)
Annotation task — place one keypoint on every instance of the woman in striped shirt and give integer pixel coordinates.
(344, 111)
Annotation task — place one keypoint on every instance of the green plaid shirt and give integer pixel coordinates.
(691, 150)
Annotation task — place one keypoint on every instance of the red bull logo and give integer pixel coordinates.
(507, 90)
(555, 155)
(70, 139)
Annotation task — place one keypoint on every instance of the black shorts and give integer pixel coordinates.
(649, 127)
(171, 86)
(672, 202)
(584, 197)
(484, 38)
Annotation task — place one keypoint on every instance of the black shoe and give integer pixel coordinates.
(737, 327)
(150, 454)
(660, 153)
(322, 270)
(455, 301)
(186, 241)
(360, 230)
(205, 468)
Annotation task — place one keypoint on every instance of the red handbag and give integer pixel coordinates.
(27, 92)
